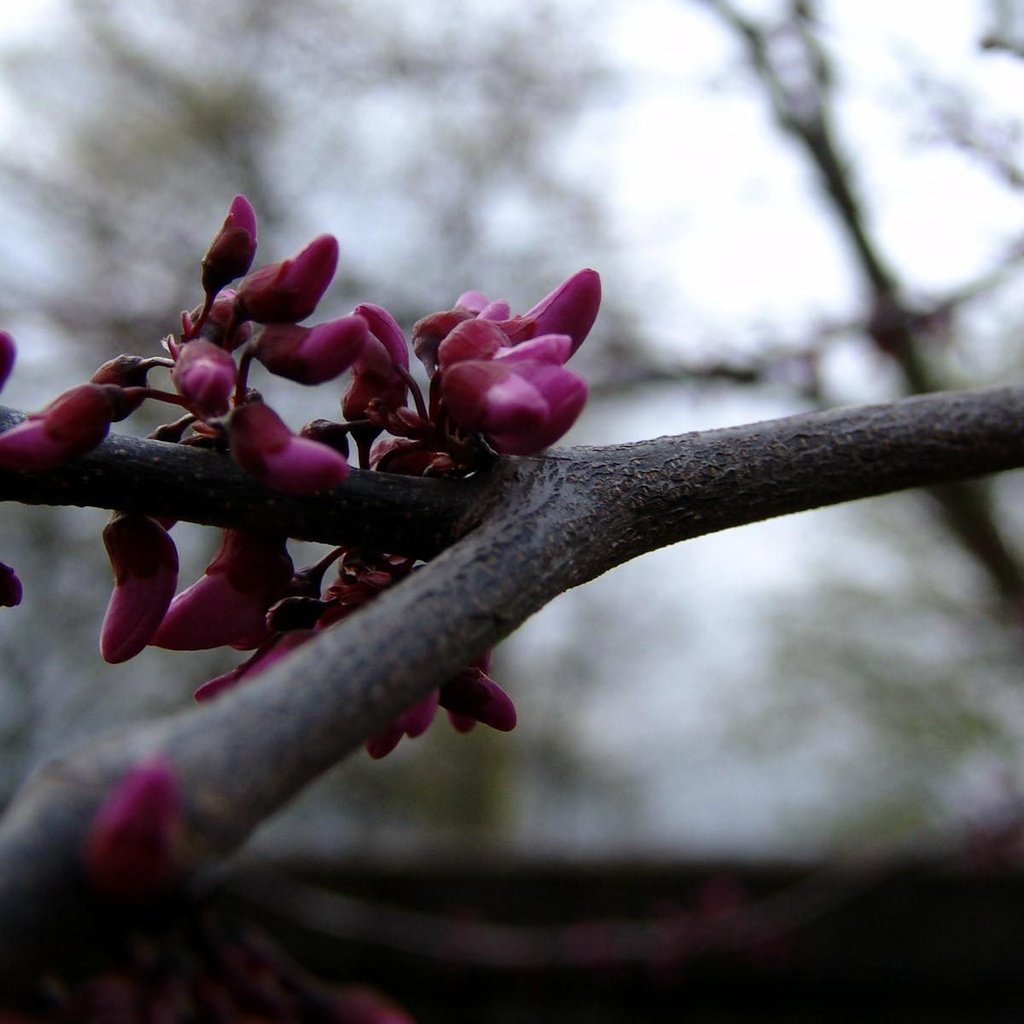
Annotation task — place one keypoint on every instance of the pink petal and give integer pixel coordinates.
(571, 308)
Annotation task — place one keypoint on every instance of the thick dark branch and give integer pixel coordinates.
(410, 516)
(540, 526)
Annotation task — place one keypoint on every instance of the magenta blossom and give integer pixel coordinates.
(145, 564)
(289, 291)
(377, 374)
(233, 247)
(227, 606)
(311, 355)
(132, 851)
(204, 375)
(570, 309)
(267, 450)
(70, 425)
(522, 400)
(472, 696)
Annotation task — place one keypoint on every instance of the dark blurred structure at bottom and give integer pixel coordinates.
(603, 942)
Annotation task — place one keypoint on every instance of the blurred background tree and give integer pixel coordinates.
(760, 692)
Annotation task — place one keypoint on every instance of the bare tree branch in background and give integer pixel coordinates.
(795, 71)
(462, 116)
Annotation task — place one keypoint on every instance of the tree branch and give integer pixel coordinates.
(401, 514)
(529, 529)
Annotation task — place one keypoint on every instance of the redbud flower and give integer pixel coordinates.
(233, 247)
(374, 377)
(472, 696)
(288, 291)
(70, 425)
(522, 402)
(145, 564)
(268, 451)
(131, 851)
(311, 355)
(571, 308)
(10, 587)
(472, 302)
(227, 606)
(7, 356)
(205, 377)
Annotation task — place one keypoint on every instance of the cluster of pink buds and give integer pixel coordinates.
(496, 385)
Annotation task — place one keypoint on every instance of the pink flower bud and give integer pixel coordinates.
(415, 721)
(498, 310)
(7, 356)
(374, 377)
(268, 451)
(288, 291)
(311, 355)
(384, 327)
(10, 587)
(132, 848)
(571, 308)
(384, 742)
(232, 249)
(70, 425)
(547, 348)
(472, 302)
(205, 377)
(227, 606)
(474, 695)
(521, 406)
(145, 564)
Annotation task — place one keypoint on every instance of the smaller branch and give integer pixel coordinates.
(405, 515)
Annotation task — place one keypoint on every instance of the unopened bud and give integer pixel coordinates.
(311, 355)
(289, 291)
(70, 425)
(571, 308)
(205, 377)
(131, 851)
(267, 450)
(145, 564)
(231, 252)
